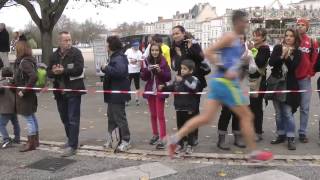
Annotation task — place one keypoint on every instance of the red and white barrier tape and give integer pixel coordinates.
(147, 92)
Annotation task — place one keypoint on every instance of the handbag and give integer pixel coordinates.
(276, 84)
(204, 68)
(254, 85)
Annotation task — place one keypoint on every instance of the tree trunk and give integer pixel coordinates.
(46, 43)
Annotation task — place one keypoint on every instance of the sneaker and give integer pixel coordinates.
(303, 138)
(127, 103)
(16, 141)
(124, 146)
(65, 145)
(154, 140)
(189, 149)
(107, 145)
(260, 156)
(259, 138)
(161, 145)
(179, 149)
(69, 152)
(6, 144)
(172, 149)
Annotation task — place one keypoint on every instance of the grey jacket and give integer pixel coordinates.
(7, 97)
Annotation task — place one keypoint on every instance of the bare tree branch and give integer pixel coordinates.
(57, 14)
(32, 11)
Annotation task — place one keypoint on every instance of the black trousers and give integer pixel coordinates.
(136, 78)
(224, 120)
(182, 118)
(69, 110)
(256, 106)
(117, 119)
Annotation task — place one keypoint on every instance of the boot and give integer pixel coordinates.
(222, 142)
(37, 143)
(238, 141)
(280, 139)
(30, 144)
(291, 143)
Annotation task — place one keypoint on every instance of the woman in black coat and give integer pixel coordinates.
(184, 47)
(284, 60)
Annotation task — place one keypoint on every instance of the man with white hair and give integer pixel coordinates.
(4, 45)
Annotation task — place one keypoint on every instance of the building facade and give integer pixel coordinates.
(201, 21)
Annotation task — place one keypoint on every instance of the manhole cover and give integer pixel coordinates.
(51, 164)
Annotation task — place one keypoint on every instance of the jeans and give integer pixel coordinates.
(304, 84)
(284, 119)
(69, 110)
(224, 120)
(117, 119)
(156, 107)
(32, 124)
(4, 119)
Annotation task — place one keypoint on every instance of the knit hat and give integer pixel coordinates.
(304, 21)
(135, 44)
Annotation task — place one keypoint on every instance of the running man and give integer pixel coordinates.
(225, 90)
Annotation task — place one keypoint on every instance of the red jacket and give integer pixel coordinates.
(308, 61)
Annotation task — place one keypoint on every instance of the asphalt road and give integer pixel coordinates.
(94, 122)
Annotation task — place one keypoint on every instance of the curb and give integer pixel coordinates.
(209, 156)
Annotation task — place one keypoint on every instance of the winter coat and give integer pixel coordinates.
(116, 79)
(292, 99)
(4, 41)
(25, 76)
(72, 77)
(185, 102)
(309, 57)
(261, 60)
(149, 75)
(7, 97)
(193, 53)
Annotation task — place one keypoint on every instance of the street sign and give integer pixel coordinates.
(100, 55)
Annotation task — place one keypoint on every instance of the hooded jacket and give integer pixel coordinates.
(308, 58)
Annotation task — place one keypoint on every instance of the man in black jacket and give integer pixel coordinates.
(4, 45)
(66, 66)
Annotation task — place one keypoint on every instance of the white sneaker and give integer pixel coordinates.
(124, 146)
(107, 145)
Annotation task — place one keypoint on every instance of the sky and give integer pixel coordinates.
(128, 11)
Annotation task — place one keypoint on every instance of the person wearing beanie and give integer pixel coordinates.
(134, 56)
(304, 73)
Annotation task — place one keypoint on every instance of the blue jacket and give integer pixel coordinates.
(116, 79)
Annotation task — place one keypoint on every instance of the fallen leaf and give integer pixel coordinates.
(238, 152)
(213, 126)
(207, 136)
(222, 174)
(83, 128)
(144, 178)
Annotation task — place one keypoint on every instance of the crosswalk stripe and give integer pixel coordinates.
(269, 175)
(144, 171)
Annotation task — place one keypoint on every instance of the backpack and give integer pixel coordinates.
(41, 72)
